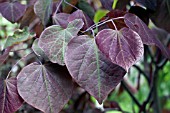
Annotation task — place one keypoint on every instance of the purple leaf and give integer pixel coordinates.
(151, 4)
(90, 68)
(43, 9)
(5, 54)
(107, 4)
(61, 19)
(54, 39)
(12, 11)
(9, 97)
(45, 87)
(80, 15)
(123, 47)
(147, 36)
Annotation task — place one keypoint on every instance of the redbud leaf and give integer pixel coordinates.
(54, 39)
(9, 97)
(46, 87)
(90, 68)
(123, 47)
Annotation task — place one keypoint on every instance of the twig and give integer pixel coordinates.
(130, 93)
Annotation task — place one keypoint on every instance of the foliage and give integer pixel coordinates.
(66, 51)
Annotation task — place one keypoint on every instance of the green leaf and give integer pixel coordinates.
(18, 37)
(54, 39)
(43, 9)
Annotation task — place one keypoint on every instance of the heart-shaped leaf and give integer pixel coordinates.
(43, 9)
(46, 87)
(147, 36)
(54, 39)
(18, 37)
(9, 97)
(123, 47)
(12, 11)
(90, 68)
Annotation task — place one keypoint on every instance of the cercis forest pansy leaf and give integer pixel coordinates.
(43, 9)
(147, 36)
(54, 39)
(12, 11)
(9, 97)
(107, 4)
(46, 87)
(5, 54)
(90, 68)
(123, 47)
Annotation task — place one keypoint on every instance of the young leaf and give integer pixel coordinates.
(43, 9)
(5, 54)
(80, 15)
(61, 19)
(123, 47)
(9, 97)
(147, 36)
(12, 11)
(18, 37)
(54, 39)
(46, 87)
(90, 69)
(107, 4)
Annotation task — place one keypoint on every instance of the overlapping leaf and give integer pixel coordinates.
(54, 40)
(5, 54)
(90, 69)
(151, 4)
(43, 9)
(9, 97)
(12, 11)
(46, 87)
(123, 47)
(80, 15)
(18, 37)
(107, 4)
(61, 19)
(147, 36)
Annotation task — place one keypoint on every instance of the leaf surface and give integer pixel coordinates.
(18, 37)
(147, 36)
(54, 39)
(90, 68)
(151, 4)
(9, 97)
(12, 11)
(123, 47)
(5, 54)
(107, 4)
(46, 87)
(43, 9)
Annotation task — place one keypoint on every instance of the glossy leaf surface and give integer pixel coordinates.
(12, 11)
(90, 68)
(18, 37)
(123, 47)
(9, 97)
(43, 9)
(147, 36)
(46, 87)
(54, 39)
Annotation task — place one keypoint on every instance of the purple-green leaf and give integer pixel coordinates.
(5, 54)
(54, 39)
(45, 87)
(43, 9)
(90, 68)
(123, 47)
(9, 97)
(107, 4)
(146, 34)
(12, 11)
(61, 19)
